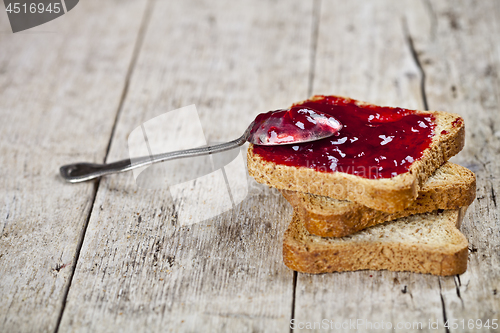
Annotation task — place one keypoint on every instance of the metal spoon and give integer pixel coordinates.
(296, 125)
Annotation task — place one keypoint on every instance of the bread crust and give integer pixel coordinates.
(308, 253)
(385, 194)
(450, 187)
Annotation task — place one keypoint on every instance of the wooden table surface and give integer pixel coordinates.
(108, 255)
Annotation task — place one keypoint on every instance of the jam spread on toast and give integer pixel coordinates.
(296, 124)
(374, 142)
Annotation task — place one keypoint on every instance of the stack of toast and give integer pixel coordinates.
(346, 222)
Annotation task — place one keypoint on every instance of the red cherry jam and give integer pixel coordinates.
(374, 142)
(293, 125)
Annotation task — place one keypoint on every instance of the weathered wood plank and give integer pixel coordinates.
(60, 88)
(363, 52)
(139, 268)
(457, 44)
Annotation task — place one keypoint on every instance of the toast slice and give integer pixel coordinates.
(425, 243)
(384, 194)
(450, 187)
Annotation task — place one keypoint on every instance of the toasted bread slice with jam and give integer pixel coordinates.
(383, 194)
(450, 187)
(424, 243)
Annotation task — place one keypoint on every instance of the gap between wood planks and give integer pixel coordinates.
(316, 16)
(415, 56)
(137, 47)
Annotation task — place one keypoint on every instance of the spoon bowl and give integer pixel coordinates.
(296, 125)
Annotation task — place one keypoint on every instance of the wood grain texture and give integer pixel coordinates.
(363, 52)
(59, 92)
(139, 268)
(457, 44)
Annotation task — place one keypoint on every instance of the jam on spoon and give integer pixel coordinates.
(292, 126)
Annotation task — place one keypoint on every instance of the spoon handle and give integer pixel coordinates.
(80, 172)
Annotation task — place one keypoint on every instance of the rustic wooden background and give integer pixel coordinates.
(108, 256)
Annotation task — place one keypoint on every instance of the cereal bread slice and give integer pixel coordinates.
(450, 187)
(424, 243)
(384, 194)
